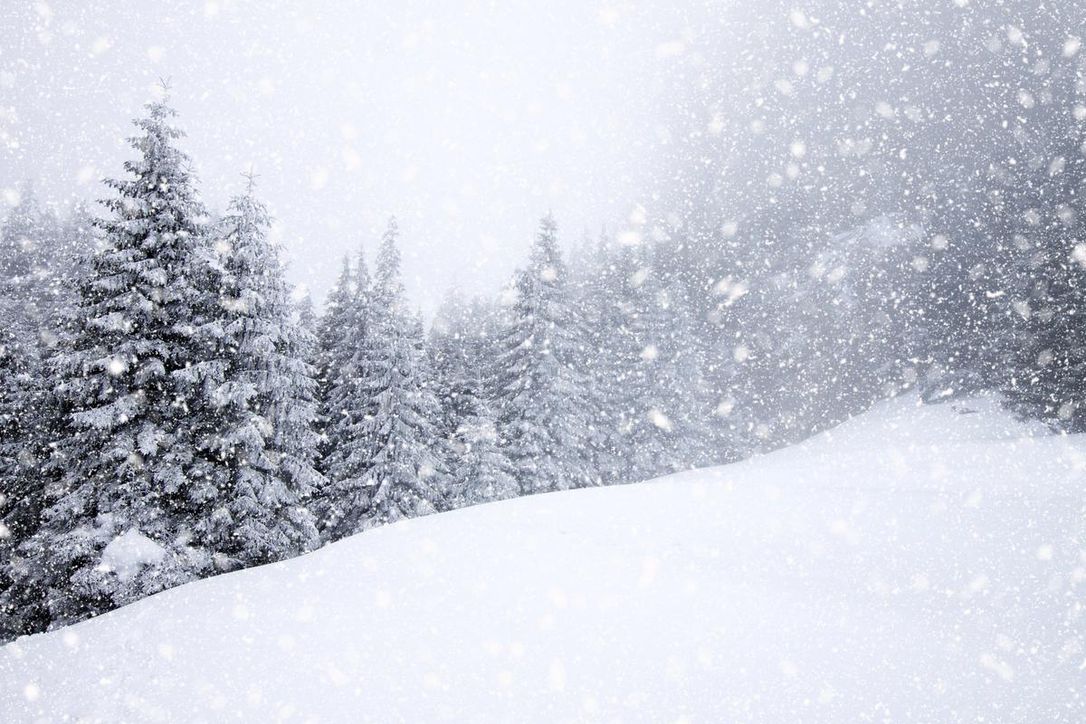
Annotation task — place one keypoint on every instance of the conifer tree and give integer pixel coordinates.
(24, 242)
(406, 476)
(24, 434)
(332, 327)
(480, 470)
(308, 322)
(40, 259)
(256, 440)
(123, 461)
(29, 239)
(541, 384)
(344, 335)
(598, 288)
(451, 347)
(634, 391)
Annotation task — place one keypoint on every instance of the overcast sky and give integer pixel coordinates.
(467, 120)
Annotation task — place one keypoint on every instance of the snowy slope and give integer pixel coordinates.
(914, 564)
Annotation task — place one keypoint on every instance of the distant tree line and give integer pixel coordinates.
(169, 413)
(793, 130)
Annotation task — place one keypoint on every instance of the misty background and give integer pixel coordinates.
(468, 121)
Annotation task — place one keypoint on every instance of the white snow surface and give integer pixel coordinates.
(915, 564)
(127, 554)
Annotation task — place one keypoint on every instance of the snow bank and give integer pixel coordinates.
(127, 554)
(917, 563)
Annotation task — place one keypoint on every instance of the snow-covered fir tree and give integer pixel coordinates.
(122, 461)
(78, 240)
(305, 316)
(480, 470)
(597, 296)
(541, 384)
(343, 339)
(256, 441)
(660, 391)
(332, 327)
(450, 352)
(25, 426)
(29, 242)
(24, 245)
(406, 475)
(39, 257)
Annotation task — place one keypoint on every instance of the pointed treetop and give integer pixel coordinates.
(341, 291)
(392, 230)
(387, 283)
(250, 180)
(160, 108)
(548, 223)
(247, 205)
(305, 302)
(159, 132)
(345, 270)
(388, 256)
(159, 178)
(548, 231)
(546, 256)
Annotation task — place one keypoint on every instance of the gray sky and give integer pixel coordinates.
(468, 120)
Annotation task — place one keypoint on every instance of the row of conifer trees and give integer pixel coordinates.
(170, 413)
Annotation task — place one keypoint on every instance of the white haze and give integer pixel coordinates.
(466, 120)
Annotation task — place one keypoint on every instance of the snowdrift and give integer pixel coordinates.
(916, 563)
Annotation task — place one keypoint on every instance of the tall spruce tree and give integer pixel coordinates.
(331, 330)
(24, 244)
(540, 380)
(449, 346)
(343, 339)
(645, 388)
(40, 258)
(25, 427)
(308, 323)
(29, 242)
(480, 471)
(123, 459)
(597, 289)
(257, 444)
(406, 476)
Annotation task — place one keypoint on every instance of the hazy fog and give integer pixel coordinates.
(468, 120)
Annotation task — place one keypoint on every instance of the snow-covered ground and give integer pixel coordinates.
(915, 564)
